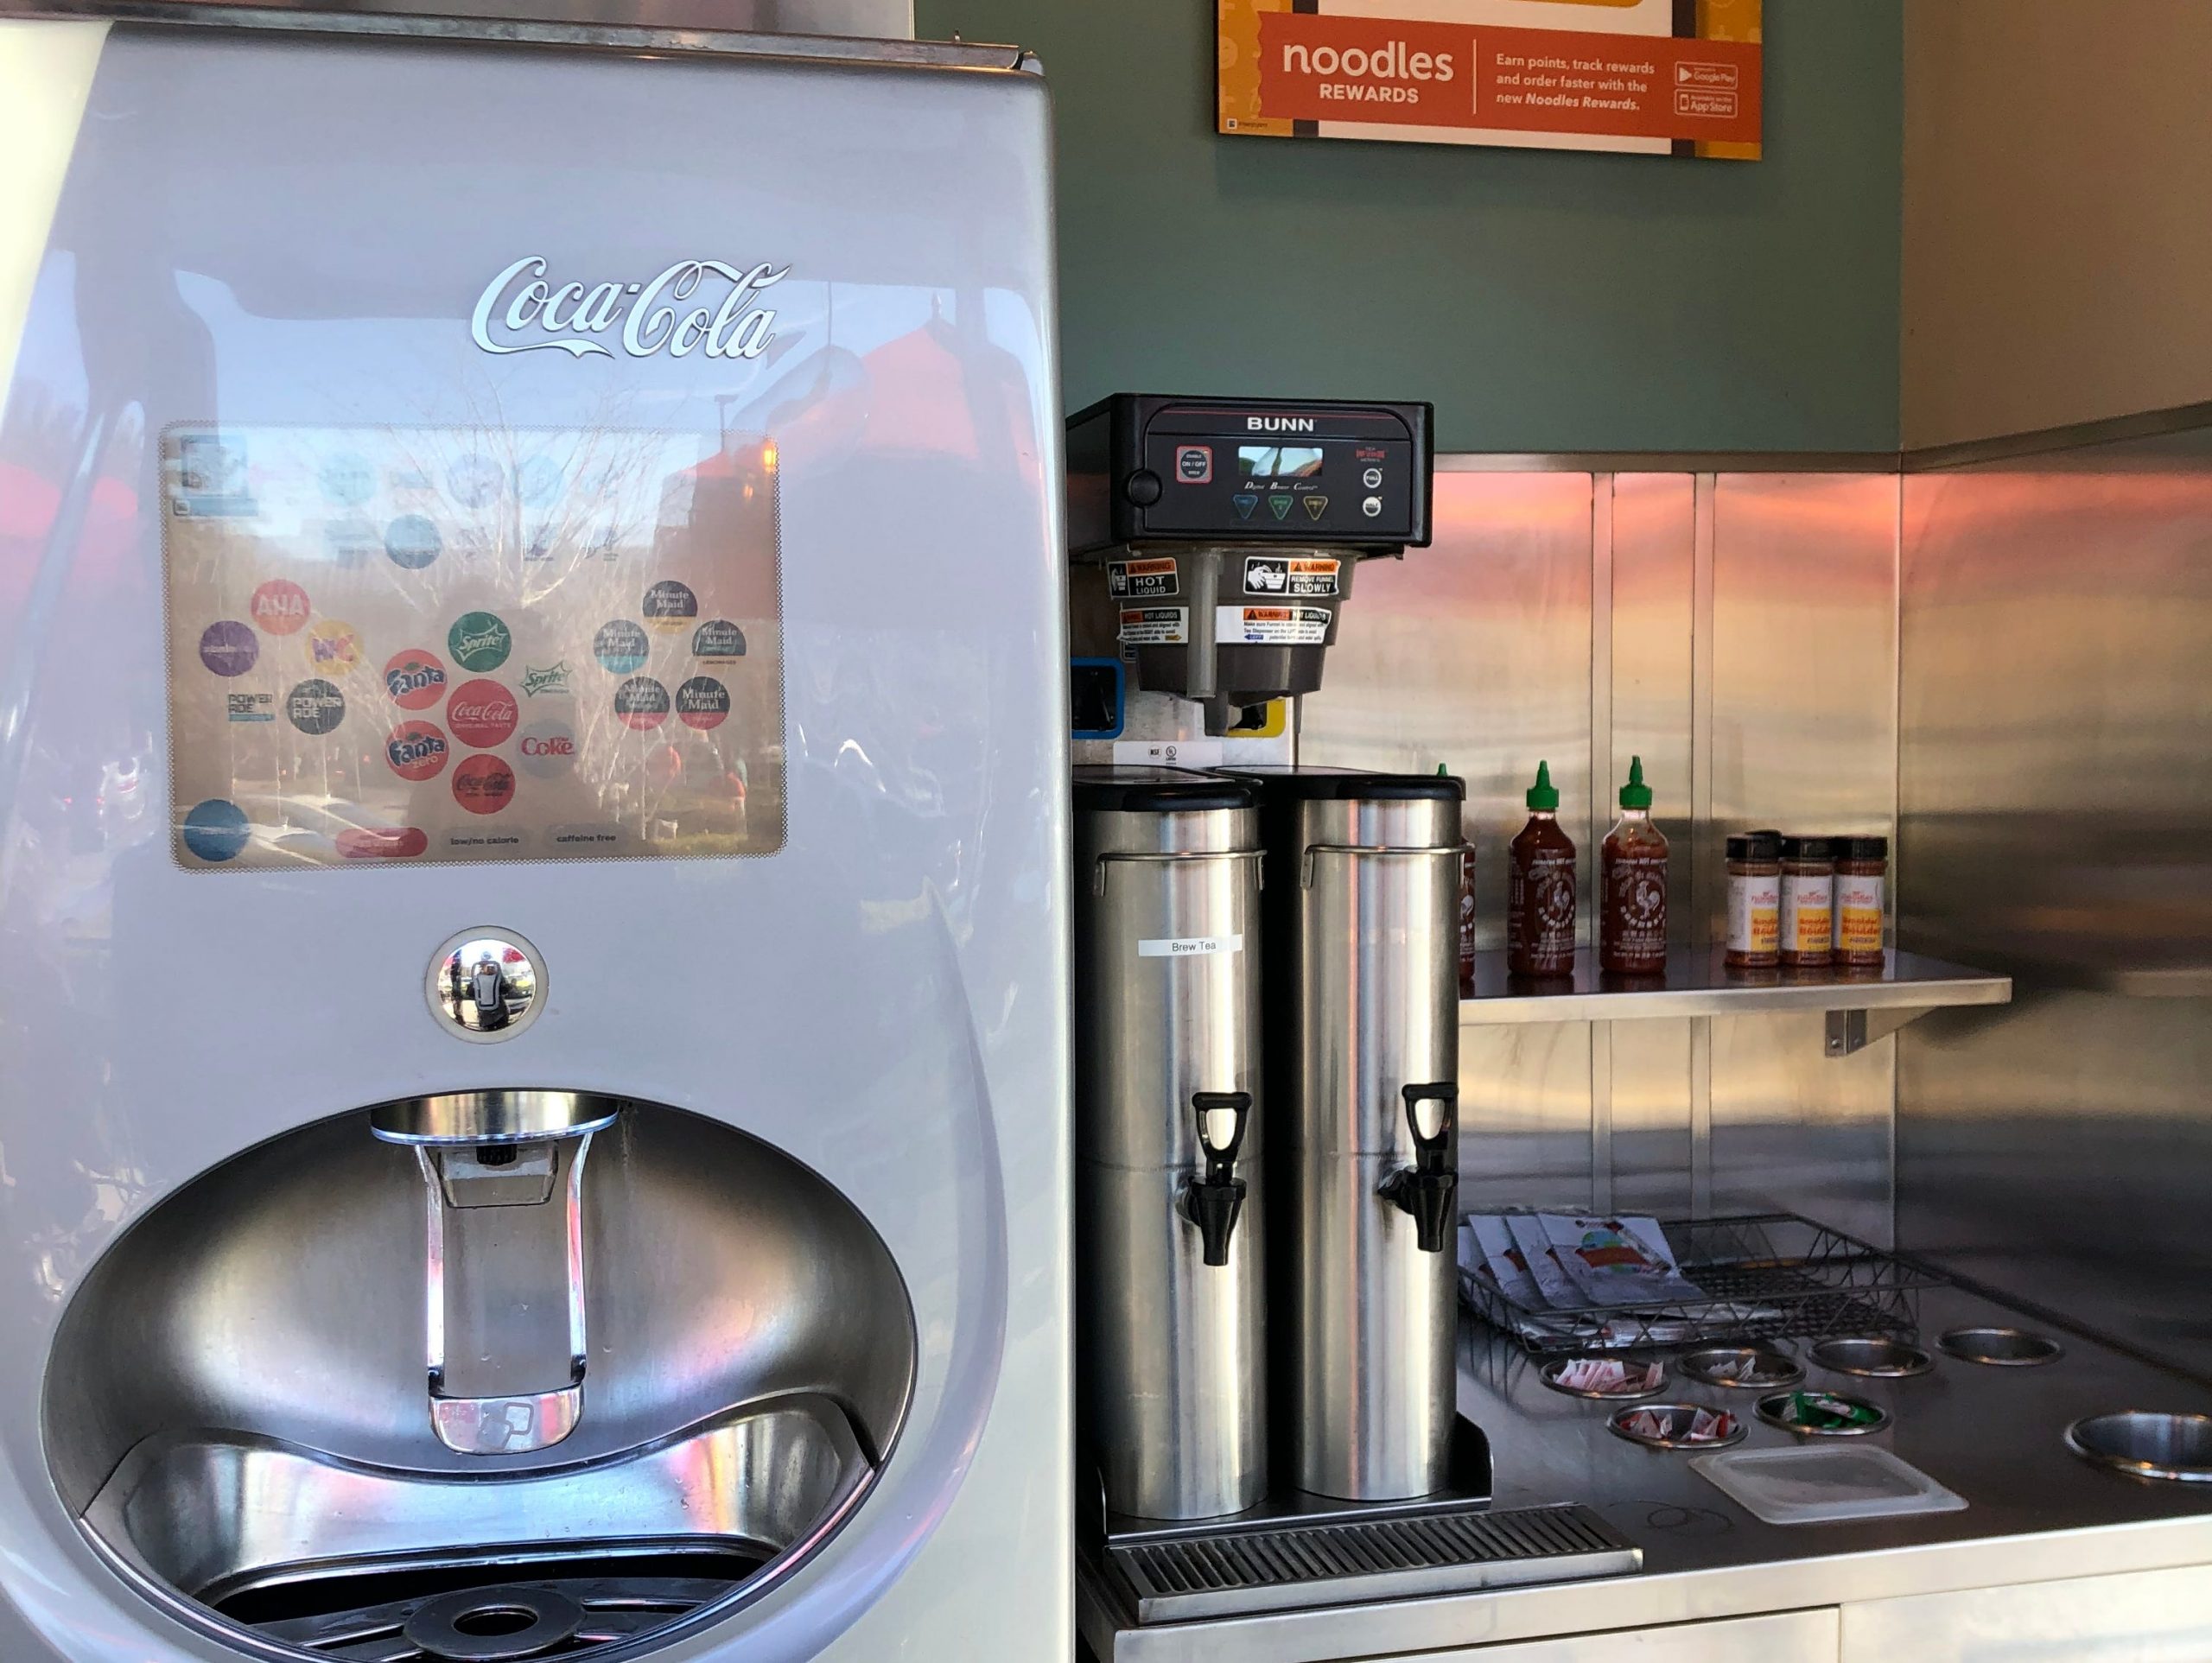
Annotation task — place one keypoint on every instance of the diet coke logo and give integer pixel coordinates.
(482, 713)
(547, 748)
(520, 311)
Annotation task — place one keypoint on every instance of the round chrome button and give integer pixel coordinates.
(1372, 508)
(485, 985)
(1372, 479)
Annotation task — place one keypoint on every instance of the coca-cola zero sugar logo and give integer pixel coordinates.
(483, 785)
(520, 311)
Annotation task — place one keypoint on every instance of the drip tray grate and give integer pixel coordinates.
(1286, 1567)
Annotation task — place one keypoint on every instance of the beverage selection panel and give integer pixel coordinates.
(403, 646)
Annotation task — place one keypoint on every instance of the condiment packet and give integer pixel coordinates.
(1506, 1267)
(1618, 1261)
(1712, 1424)
(1532, 1236)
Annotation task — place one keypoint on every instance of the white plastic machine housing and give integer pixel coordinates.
(276, 228)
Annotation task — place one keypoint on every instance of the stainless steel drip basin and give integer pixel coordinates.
(211, 1515)
(2177, 1447)
(254, 1387)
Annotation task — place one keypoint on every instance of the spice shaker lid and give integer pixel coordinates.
(1806, 849)
(1543, 796)
(1755, 846)
(1636, 794)
(1862, 848)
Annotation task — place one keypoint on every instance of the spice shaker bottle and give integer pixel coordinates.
(1807, 903)
(1754, 901)
(1633, 920)
(1862, 870)
(1539, 889)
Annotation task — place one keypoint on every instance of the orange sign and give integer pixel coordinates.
(1617, 77)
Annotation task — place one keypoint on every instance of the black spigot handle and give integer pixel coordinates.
(1213, 1199)
(1428, 1190)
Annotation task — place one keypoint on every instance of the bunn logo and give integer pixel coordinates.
(1279, 424)
(1392, 61)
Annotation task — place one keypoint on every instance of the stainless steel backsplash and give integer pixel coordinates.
(2056, 778)
(1736, 629)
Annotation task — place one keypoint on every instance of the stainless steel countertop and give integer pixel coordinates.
(1993, 1435)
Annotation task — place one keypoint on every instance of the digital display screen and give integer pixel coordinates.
(1280, 462)
(398, 646)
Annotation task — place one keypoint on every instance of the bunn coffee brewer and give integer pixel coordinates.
(1215, 539)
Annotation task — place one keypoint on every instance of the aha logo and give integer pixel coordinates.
(280, 606)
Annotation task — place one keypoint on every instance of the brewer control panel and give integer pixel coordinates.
(1148, 468)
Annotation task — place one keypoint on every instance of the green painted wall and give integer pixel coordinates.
(1543, 301)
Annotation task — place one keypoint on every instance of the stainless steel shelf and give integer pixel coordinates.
(1862, 1006)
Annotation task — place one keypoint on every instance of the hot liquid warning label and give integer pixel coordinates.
(1155, 627)
(1141, 580)
(1271, 626)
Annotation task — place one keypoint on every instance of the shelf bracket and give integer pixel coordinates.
(1850, 1032)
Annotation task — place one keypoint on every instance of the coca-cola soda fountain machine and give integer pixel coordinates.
(534, 889)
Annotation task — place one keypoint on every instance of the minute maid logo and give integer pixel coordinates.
(554, 678)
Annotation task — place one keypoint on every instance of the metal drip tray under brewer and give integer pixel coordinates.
(1297, 1551)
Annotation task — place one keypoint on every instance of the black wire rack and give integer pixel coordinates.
(1765, 1276)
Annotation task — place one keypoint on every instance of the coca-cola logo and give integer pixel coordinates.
(520, 311)
(481, 713)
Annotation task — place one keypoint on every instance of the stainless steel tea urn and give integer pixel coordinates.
(1170, 1257)
(1362, 1046)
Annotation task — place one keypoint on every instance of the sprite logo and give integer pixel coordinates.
(480, 641)
(554, 678)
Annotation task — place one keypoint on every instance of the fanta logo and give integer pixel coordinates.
(413, 678)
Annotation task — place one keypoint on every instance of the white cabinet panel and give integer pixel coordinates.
(2147, 1617)
(1785, 1637)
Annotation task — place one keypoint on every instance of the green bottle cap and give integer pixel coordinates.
(1636, 794)
(1543, 797)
